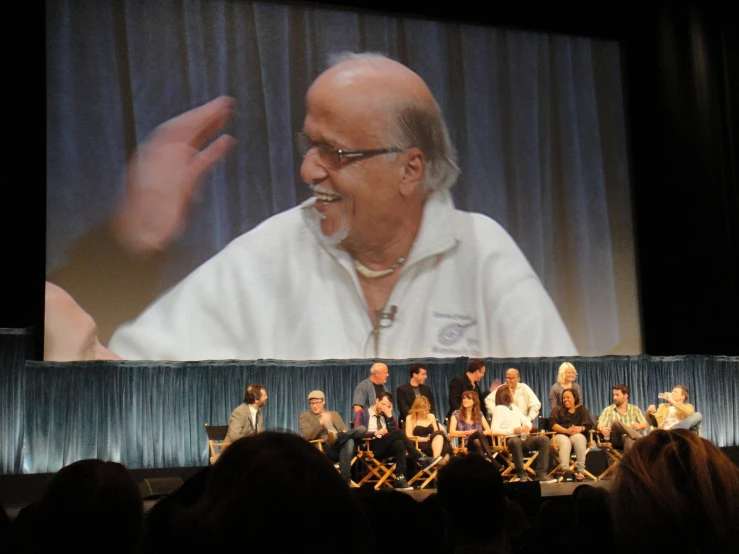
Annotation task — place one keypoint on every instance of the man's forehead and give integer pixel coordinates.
(364, 89)
(378, 75)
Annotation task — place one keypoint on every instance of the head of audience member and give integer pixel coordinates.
(470, 409)
(432, 510)
(379, 373)
(566, 374)
(420, 408)
(476, 370)
(384, 510)
(620, 394)
(471, 492)
(675, 491)
(5, 526)
(554, 524)
(679, 394)
(70, 333)
(255, 395)
(568, 399)
(592, 518)
(369, 103)
(158, 524)
(384, 402)
(317, 402)
(270, 492)
(503, 396)
(418, 374)
(89, 506)
(512, 378)
(516, 526)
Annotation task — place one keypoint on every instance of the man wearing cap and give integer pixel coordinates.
(319, 423)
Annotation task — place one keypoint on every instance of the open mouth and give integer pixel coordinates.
(325, 196)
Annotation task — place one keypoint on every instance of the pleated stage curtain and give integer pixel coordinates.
(151, 414)
(16, 346)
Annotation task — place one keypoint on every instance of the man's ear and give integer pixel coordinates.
(414, 170)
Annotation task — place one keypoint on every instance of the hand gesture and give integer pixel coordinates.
(164, 174)
(324, 419)
(651, 409)
(636, 426)
(494, 386)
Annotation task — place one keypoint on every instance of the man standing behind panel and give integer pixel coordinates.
(369, 389)
(523, 397)
(408, 392)
(467, 381)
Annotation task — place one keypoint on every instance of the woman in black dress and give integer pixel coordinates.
(422, 423)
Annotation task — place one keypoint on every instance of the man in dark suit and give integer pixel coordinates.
(388, 440)
(408, 392)
(247, 418)
(470, 380)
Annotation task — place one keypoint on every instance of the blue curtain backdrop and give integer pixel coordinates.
(16, 346)
(151, 414)
(537, 119)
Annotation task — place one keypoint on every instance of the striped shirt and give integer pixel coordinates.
(633, 415)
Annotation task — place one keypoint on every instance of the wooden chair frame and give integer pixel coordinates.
(554, 451)
(500, 445)
(319, 445)
(216, 440)
(424, 474)
(379, 472)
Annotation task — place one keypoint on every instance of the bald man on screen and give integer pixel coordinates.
(378, 263)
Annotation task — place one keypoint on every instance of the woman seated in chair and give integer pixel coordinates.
(421, 424)
(571, 422)
(468, 422)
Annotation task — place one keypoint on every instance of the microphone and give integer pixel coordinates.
(385, 319)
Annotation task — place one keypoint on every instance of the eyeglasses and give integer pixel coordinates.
(314, 402)
(334, 157)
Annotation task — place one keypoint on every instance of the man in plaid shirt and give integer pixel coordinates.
(621, 420)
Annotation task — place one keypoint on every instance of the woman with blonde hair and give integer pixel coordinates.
(468, 422)
(422, 424)
(565, 381)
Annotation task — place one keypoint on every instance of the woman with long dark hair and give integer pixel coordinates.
(468, 422)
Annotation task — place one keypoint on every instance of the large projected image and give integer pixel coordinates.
(242, 180)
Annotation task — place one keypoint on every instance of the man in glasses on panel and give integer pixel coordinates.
(378, 263)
